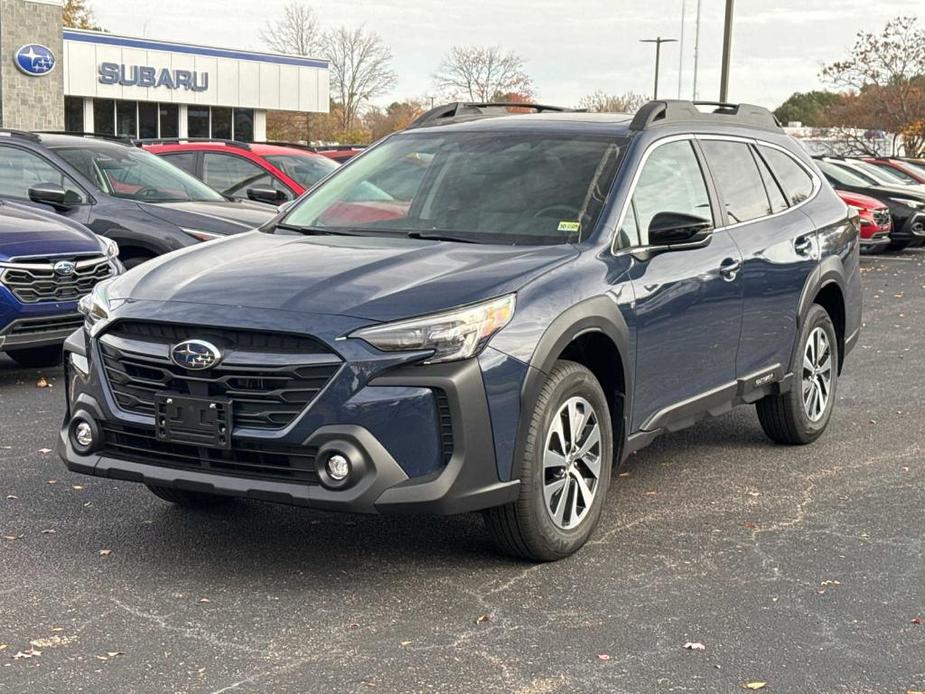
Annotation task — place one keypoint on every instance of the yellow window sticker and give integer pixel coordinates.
(569, 226)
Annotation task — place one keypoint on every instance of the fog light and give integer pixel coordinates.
(83, 434)
(338, 467)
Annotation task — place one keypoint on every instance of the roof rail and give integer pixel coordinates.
(182, 140)
(469, 110)
(22, 134)
(122, 139)
(675, 111)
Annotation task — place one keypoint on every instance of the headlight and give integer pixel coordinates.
(95, 305)
(457, 334)
(110, 247)
(200, 235)
(908, 202)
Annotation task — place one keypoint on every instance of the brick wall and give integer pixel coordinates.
(27, 102)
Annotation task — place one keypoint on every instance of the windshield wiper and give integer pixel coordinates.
(321, 231)
(426, 236)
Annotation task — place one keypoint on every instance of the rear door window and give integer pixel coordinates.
(737, 179)
(793, 178)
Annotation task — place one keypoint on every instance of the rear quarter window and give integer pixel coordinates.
(793, 178)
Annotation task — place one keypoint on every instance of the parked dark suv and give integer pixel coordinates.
(121, 192)
(529, 299)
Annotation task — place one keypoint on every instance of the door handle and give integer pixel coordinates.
(803, 245)
(729, 268)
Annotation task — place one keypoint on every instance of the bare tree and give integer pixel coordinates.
(482, 74)
(602, 102)
(886, 73)
(360, 68)
(297, 32)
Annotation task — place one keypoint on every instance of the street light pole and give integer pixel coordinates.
(727, 52)
(658, 41)
(681, 47)
(696, 50)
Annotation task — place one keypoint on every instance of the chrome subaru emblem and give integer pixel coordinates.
(64, 268)
(195, 354)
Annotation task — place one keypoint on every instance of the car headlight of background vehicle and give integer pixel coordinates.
(452, 335)
(908, 202)
(201, 235)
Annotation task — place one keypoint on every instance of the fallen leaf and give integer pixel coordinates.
(916, 620)
(105, 552)
(482, 618)
(57, 628)
(46, 451)
(912, 691)
(603, 656)
(650, 493)
(2, 646)
(353, 625)
(31, 653)
(624, 474)
(830, 583)
(755, 685)
(204, 600)
(11, 496)
(695, 646)
(113, 654)
(9, 537)
(754, 493)
(750, 526)
(42, 383)
(76, 487)
(50, 531)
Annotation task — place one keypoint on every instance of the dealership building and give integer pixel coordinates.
(54, 78)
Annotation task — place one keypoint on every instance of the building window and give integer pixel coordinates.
(197, 121)
(147, 119)
(244, 124)
(170, 120)
(221, 123)
(104, 116)
(74, 114)
(127, 118)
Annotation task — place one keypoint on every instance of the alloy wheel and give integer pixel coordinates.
(572, 462)
(817, 374)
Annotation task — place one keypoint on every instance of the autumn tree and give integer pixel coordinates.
(602, 102)
(296, 32)
(394, 117)
(886, 72)
(360, 70)
(482, 74)
(78, 15)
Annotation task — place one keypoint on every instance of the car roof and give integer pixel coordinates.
(603, 123)
(257, 148)
(78, 141)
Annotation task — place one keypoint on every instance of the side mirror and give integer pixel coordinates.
(270, 195)
(675, 229)
(50, 194)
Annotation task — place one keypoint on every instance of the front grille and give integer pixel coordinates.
(268, 377)
(35, 280)
(882, 217)
(446, 424)
(245, 459)
(36, 327)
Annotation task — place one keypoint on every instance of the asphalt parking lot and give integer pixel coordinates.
(803, 568)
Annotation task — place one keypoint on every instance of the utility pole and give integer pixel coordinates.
(658, 41)
(696, 49)
(727, 52)
(681, 47)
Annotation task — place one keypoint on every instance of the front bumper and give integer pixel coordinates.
(39, 331)
(467, 481)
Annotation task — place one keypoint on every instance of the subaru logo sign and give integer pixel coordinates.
(64, 268)
(195, 354)
(35, 59)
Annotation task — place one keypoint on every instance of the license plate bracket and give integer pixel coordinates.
(193, 421)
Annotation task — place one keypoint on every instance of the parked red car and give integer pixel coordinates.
(339, 153)
(910, 174)
(263, 172)
(876, 222)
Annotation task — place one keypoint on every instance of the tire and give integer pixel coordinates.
(37, 357)
(527, 527)
(135, 261)
(787, 418)
(187, 499)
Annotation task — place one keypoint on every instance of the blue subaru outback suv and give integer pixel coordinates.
(485, 312)
(46, 264)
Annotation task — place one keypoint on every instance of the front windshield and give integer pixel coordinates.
(886, 176)
(485, 187)
(845, 176)
(305, 169)
(129, 172)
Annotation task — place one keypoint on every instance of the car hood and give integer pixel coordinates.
(26, 231)
(373, 278)
(219, 217)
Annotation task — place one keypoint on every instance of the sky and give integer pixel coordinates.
(570, 47)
